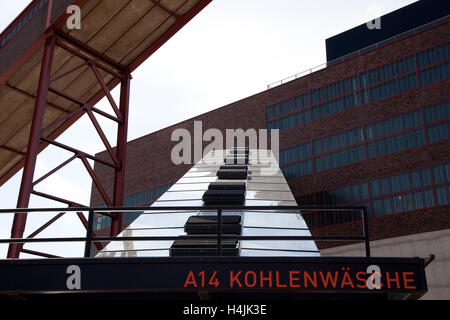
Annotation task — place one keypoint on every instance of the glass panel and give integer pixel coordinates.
(441, 195)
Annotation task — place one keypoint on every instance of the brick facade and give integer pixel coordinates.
(149, 158)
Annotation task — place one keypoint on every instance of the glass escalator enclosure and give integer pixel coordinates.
(263, 184)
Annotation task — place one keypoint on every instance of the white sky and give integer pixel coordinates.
(231, 50)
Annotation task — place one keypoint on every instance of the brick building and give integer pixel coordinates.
(372, 129)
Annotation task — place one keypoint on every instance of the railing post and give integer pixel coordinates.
(219, 232)
(88, 243)
(366, 231)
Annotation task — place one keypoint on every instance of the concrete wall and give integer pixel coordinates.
(419, 245)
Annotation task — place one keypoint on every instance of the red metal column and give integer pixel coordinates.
(26, 185)
(121, 151)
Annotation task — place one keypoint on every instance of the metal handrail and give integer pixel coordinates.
(359, 51)
(89, 239)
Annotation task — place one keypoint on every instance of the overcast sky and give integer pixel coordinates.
(231, 50)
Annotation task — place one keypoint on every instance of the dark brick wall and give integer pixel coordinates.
(396, 225)
(149, 163)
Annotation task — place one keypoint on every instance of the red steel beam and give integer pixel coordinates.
(85, 224)
(105, 90)
(96, 181)
(58, 199)
(46, 225)
(119, 176)
(89, 51)
(56, 78)
(59, 24)
(38, 44)
(26, 185)
(66, 96)
(63, 119)
(55, 134)
(103, 113)
(78, 152)
(103, 137)
(87, 57)
(39, 254)
(48, 174)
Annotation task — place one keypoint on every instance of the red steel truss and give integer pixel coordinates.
(117, 155)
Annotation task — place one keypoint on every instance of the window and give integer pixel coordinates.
(433, 55)
(438, 132)
(396, 143)
(338, 159)
(297, 169)
(443, 195)
(286, 106)
(437, 112)
(441, 173)
(404, 202)
(295, 153)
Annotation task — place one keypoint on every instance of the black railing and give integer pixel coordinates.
(90, 238)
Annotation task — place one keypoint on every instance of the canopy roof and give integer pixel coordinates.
(118, 35)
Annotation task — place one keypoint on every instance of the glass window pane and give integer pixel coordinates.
(428, 199)
(441, 195)
(418, 200)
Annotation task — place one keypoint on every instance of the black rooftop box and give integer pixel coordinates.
(399, 21)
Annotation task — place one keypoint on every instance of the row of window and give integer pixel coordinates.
(348, 194)
(394, 184)
(393, 125)
(386, 145)
(335, 106)
(377, 84)
(334, 90)
(339, 159)
(443, 195)
(326, 218)
(441, 173)
(302, 151)
(437, 112)
(22, 22)
(433, 55)
(338, 140)
(403, 203)
(401, 182)
(286, 106)
(297, 169)
(395, 194)
(146, 196)
(387, 71)
(396, 143)
(438, 132)
(354, 136)
(291, 121)
(433, 74)
(389, 88)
